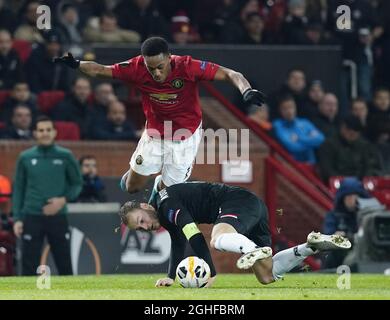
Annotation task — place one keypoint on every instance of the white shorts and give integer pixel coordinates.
(174, 159)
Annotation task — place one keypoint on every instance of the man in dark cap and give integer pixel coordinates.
(42, 74)
(348, 153)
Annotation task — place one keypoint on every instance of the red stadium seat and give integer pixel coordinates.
(2, 125)
(48, 99)
(23, 49)
(67, 130)
(379, 187)
(3, 96)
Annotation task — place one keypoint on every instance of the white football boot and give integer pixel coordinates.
(322, 242)
(248, 259)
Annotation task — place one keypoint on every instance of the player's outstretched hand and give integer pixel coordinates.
(68, 60)
(253, 96)
(164, 282)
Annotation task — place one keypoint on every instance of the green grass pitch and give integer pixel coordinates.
(306, 286)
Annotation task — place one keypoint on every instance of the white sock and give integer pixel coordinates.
(288, 259)
(234, 242)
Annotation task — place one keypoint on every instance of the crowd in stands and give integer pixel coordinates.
(307, 121)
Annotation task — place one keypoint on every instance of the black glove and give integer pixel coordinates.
(68, 60)
(253, 96)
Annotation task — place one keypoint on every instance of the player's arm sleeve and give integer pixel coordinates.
(124, 71)
(178, 245)
(202, 70)
(73, 178)
(18, 189)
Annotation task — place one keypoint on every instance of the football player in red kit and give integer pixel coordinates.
(170, 99)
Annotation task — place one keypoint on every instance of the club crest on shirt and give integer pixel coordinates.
(139, 160)
(177, 83)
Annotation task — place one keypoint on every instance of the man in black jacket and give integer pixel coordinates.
(240, 222)
(10, 65)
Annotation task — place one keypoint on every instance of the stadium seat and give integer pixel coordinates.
(3, 96)
(2, 125)
(379, 187)
(48, 99)
(67, 130)
(23, 49)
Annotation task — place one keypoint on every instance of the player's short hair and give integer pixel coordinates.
(128, 207)
(154, 46)
(42, 119)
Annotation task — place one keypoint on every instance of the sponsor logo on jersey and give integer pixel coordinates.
(166, 98)
(177, 83)
(139, 160)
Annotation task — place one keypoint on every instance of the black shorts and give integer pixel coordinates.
(246, 213)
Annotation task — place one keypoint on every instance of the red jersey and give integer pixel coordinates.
(176, 99)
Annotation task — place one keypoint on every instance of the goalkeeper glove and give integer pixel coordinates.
(68, 60)
(253, 96)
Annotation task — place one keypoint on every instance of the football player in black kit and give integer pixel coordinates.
(240, 222)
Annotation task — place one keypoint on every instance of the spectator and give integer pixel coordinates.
(76, 106)
(299, 136)
(314, 96)
(69, 28)
(327, 117)
(11, 70)
(254, 27)
(342, 220)
(20, 127)
(28, 29)
(348, 154)
(181, 29)
(378, 119)
(108, 31)
(115, 126)
(359, 109)
(93, 186)
(104, 94)
(7, 17)
(47, 177)
(42, 73)
(143, 17)
(20, 94)
(261, 117)
(382, 144)
(294, 86)
(273, 13)
(315, 35)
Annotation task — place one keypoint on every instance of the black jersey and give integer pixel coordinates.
(182, 206)
(201, 200)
